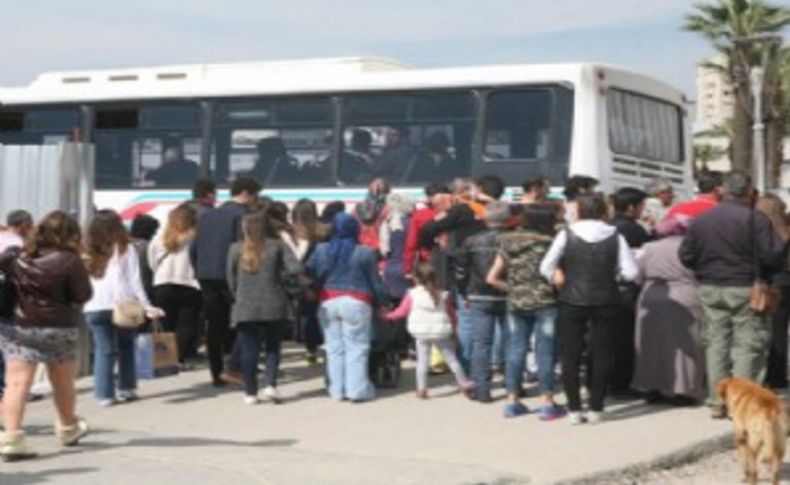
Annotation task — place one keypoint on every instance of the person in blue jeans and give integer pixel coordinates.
(112, 345)
(486, 305)
(348, 276)
(114, 268)
(531, 307)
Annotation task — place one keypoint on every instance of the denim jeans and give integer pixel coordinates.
(111, 344)
(520, 327)
(347, 325)
(484, 317)
(464, 332)
(249, 336)
(500, 347)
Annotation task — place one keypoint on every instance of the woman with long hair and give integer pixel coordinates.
(176, 290)
(51, 284)
(257, 267)
(113, 265)
(776, 376)
(309, 231)
(348, 275)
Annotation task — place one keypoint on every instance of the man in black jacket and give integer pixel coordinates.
(628, 206)
(453, 228)
(217, 229)
(485, 304)
(730, 247)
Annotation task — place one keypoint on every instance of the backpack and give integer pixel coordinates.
(7, 291)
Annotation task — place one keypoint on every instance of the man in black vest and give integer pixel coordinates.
(585, 262)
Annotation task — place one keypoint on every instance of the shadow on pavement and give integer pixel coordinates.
(636, 409)
(89, 446)
(44, 476)
(195, 392)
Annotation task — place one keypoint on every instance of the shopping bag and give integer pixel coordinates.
(438, 365)
(156, 354)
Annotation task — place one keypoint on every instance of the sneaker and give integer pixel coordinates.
(251, 400)
(576, 418)
(595, 417)
(105, 403)
(127, 396)
(550, 413)
(515, 409)
(422, 393)
(270, 394)
(14, 448)
(71, 435)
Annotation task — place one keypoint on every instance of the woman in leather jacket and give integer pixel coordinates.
(51, 284)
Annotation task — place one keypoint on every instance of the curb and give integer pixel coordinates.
(631, 474)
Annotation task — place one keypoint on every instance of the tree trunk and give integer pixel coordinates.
(774, 134)
(741, 148)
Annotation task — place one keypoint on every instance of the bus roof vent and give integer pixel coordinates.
(76, 80)
(123, 77)
(171, 76)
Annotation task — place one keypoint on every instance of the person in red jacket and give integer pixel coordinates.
(415, 252)
(710, 193)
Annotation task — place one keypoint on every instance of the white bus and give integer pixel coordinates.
(323, 128)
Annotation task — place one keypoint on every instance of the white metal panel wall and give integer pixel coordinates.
(43, 178)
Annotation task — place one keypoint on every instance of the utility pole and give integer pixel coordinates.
(756, 77)
(756, 81)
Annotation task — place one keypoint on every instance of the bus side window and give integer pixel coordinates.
(40, 126)
(415, 139)
(518, 125)
(153, 146)
(281, 143)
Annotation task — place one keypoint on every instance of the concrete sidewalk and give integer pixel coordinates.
(185, 431)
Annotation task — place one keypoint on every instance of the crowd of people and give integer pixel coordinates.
(620, 295)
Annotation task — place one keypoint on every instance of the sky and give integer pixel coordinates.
(54, 35)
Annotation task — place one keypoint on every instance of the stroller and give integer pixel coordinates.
(388, 342)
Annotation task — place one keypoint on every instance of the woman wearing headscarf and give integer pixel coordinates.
(669, 358)
(347, 273)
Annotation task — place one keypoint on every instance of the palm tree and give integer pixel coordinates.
(731, 26)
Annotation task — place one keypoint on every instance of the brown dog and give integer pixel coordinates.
(761, 425)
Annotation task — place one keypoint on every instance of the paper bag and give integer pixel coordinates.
(157, 355)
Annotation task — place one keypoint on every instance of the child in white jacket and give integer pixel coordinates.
(430, 321)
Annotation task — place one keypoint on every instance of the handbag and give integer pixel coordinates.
(763, 296)
(128, 314)
(290, 283)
